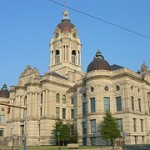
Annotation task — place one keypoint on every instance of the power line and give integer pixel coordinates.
(102, 20)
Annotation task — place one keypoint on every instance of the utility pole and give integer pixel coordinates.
(25, 123)
(25, 130)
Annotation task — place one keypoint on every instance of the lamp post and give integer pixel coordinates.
(58, 134)
(25, 130)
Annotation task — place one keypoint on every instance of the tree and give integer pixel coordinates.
(109, 128)
(68, 134)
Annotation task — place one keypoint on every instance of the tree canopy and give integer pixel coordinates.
(109, 128)
(67, 133)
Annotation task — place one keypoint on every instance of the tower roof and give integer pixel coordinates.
(99, 63)
(65, 24)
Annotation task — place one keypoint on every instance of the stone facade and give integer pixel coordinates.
(66, 92)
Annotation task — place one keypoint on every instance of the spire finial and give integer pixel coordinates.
(4, 87)
(99, 54)
(66, 14)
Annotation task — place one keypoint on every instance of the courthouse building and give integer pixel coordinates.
(66, 92)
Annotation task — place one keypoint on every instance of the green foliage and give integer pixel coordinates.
(68, 134)
(109, 128)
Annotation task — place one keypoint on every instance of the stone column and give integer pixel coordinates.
(45, 103)
(35, 104)
(43, 108)
(48, 103)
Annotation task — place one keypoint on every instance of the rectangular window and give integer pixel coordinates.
(106, 104)
(64, 113)
(57, 112)
(120, 125)
(149, 107)
(134, 124)
(57, 98)
(40, 111)
(135, 139)
(93, 126)
(1, 132)
(73, 59)
(2, 119)
(93, 140)
(118, 103)
(92, 104)
(142, 139)
(72, 100)
(72, 113)
(141, 122)
(57, 59)
(84, 141)
(132, 103)
(84, 109)
(139, 102)
(64, 99)
(84, 128)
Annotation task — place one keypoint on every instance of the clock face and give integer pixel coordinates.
(57, 35)
(74, 35)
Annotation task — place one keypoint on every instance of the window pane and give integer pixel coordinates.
(57, 112)
(1, 132)
(120, 125)
(84, 109)
(92, 104)
(134, 124)
(93, 126)
(119, 103)
(64, 99)
(57, 98)
(72, 100)
(139, 102)
(93, 140)
(132, 102)
(2, 119)
(64, 113)
(84, 127)
(106, 104)
(72, 113)
(73, 59)
(141, 121)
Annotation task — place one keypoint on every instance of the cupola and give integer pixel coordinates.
(4, 92)
(65, 24)
(99, 63)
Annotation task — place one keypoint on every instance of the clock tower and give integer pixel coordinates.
(65, 48)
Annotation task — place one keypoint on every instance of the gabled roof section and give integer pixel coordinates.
(115, 67)
(58, 75)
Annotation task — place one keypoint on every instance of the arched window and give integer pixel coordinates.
(73, 55)
(64, 99)
(57, 57)
(57, 98)
(148, 95)
(148, 99)
(79, 61)
(25, 101)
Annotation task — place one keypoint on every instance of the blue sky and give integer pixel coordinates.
(27, 26)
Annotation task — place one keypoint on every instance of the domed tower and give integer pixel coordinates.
(4, 92)
(65, 47)
(99, 63)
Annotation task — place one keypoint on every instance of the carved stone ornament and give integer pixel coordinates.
(29, 75)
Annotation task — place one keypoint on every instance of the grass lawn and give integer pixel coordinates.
(48, 147)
